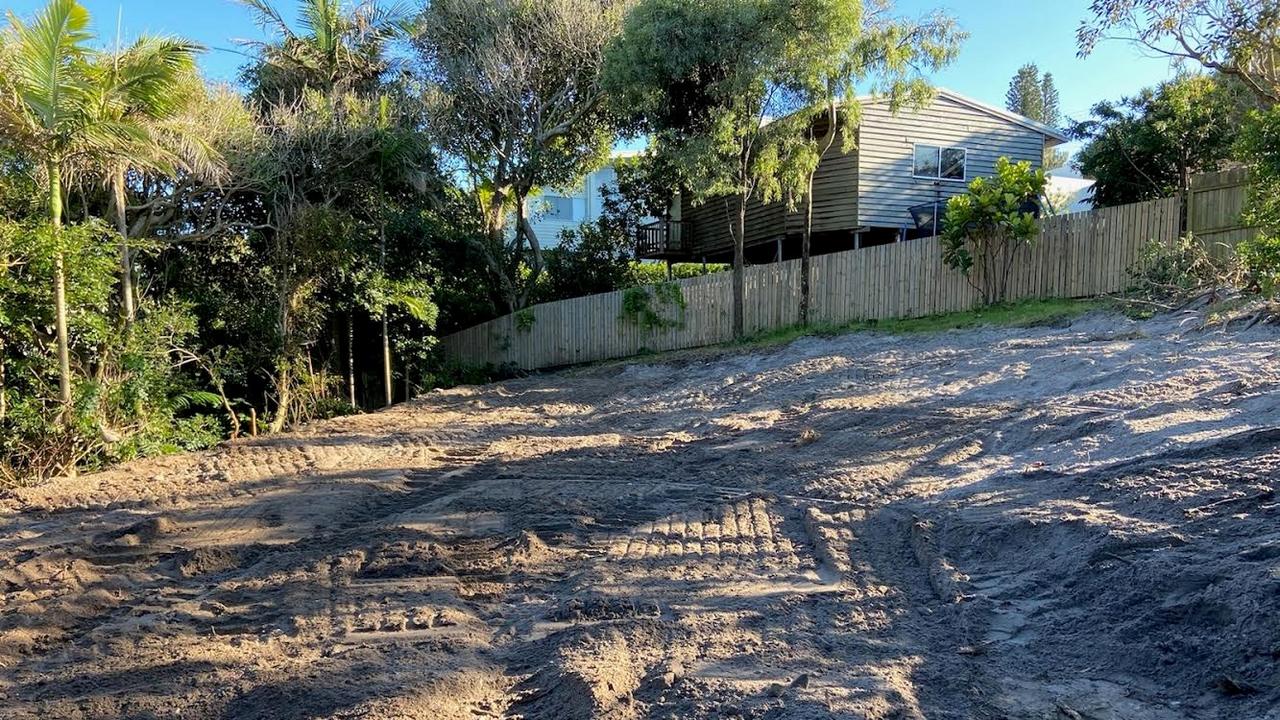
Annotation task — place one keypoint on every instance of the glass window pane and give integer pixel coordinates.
(926, 160)
(557, 207)
(953, 163)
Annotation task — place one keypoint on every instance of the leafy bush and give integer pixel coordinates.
(984, 228)
(1260, 260)
(1260, 147)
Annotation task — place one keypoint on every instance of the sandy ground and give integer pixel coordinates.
(1072, 522)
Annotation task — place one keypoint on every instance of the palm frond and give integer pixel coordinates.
(146, 74)
(193, 399)
(266, 16)
(48, 52)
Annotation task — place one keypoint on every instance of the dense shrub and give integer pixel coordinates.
(1260, 259)
(985, 228)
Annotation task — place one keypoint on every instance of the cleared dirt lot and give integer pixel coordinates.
(1062, 522)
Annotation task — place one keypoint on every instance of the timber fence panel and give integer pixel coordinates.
(1076, 255)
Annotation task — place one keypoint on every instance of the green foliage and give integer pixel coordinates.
(1260, 147)
(335, 48)
(516, 99)
(1034, 95)
(525, 319)
(653, 273)
(1239, 38)
(984, 228)
(654, 307)
(733, 103)
(1170, 272)
(1148, 146)
(1260, 258)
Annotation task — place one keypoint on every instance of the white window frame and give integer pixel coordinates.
(941, 149)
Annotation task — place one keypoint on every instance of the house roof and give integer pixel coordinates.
(980, 106)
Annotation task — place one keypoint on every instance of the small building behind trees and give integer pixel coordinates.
(893, 185)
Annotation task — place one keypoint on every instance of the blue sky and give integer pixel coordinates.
(1004, 34)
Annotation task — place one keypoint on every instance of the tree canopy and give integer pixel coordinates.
(1148, 146)
(1237, 38)
(733, 102)
(517, 104)
(1034, 95)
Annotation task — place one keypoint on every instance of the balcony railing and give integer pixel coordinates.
(663, 239)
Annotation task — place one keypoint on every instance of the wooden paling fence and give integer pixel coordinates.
(1215, 202)
(1077, 255)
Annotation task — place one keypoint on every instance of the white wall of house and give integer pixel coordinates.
(554, 210)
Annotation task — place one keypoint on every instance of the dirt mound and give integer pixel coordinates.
(592, 674)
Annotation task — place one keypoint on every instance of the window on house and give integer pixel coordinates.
(558, 207)
(606, 178)
(942, 163)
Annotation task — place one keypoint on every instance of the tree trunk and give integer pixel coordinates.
(386, 336)
(806, 243)
(126, 261)
(60, 289)
(351, 362)
(284, 363)
(386, 360)
(806, 270)
(739, 260)
(284, 389)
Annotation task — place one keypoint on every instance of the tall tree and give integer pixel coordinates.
(148, 85)
(1036, 96)
(1051, 111)
(745, 103)
(705, 100)
(516, 86)
(854, 44)
(50, 110)
(1025, 95)
(334, 48)
(1237, 38)
(337, 50)
(1149, 145)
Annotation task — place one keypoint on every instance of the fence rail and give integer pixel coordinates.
(1077, 255)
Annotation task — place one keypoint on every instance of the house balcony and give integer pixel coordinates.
(664, 240)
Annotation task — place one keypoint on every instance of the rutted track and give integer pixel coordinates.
(1070, 522)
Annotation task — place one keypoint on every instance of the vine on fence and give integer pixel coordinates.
(525, 319)
(654, 307)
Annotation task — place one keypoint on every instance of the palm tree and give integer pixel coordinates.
(332, 49)
(150, 85)
(60, 107)
(46, 111)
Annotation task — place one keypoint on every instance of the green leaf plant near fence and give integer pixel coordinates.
(1071, 256)
(659, 306)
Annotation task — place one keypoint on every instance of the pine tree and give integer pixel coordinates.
(1050, 114)
(1024, 96)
